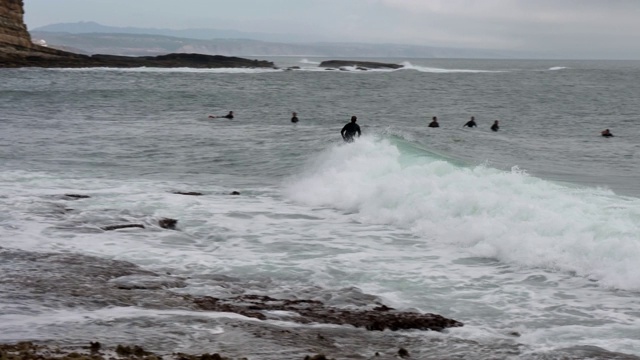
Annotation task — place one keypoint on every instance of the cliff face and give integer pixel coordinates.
(13, 31)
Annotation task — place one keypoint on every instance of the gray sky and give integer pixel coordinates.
(568, 28)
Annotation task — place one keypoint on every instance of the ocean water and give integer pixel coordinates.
(530, 236)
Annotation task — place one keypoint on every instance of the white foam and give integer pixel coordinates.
(510, 216)
(18, 327)
(408, 66)
(307, 61)
(398, 225)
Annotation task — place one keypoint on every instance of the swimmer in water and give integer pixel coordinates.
(471, 123)
(228, 116)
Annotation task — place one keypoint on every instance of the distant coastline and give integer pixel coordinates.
(93, 38)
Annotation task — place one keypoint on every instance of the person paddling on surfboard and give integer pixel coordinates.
(228, 116)
(349, 131)
(606, 133)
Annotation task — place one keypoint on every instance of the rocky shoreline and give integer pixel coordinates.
(38, 56)
(17, 50)
(224, 327)
(28, 350)
(255, 324)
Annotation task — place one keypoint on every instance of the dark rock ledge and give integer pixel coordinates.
(38, 56)
(27, 350)
(310, 311)
(362, 65)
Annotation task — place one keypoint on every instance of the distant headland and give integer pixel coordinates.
(17, 50)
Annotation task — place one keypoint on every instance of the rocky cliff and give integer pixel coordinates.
(17, 50)
(12, 28)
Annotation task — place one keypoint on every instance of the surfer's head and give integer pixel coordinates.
(354, 118)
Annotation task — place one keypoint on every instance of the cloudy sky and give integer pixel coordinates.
(566, 28)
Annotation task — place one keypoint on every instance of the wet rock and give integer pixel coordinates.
(75, 280)
(192, 193)
(167, 223)
(316, 357)
(135, 350)
(76, 196)
(235, 193)
(310, 311)
(205, 356)
(121, 226)
(403, 353)
(147, 282)
(31, 351)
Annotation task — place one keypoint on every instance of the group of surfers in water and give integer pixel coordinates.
(470, 124)
(351, 129)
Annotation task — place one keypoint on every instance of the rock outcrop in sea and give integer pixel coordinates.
(358, 64)
(17, 50)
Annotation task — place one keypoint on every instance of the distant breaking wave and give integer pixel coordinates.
(408, 66)
(557, 68)
(307, 61)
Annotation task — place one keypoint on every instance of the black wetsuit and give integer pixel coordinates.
(434, 124)
(294, 119)
(228, 116)
(470, 123)
(349, 131)
(495, 127)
